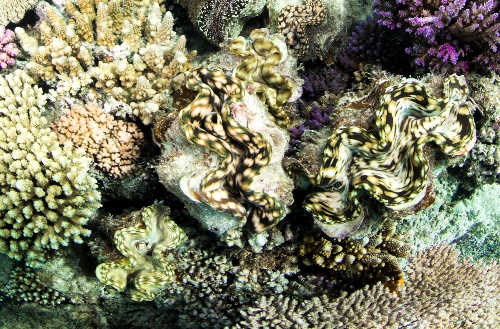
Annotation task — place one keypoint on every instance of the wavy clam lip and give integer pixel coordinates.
(331, 204)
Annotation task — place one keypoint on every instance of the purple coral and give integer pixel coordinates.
(329, 79)
(448, 35)
(316, 118)
(8, 49)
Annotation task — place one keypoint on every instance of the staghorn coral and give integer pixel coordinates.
(46, 192)
(391, 167)
(293, 21)
(431, 299)
(13, 11)
(8, 49)
(371, 258)
(450, 36)
(145, 245)
(123, 54)
(257, 71)
(25, 285)
(114, 144)
(208, 122)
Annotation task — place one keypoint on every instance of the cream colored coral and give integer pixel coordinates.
(13, 11)
(114, 144)
(46, 193)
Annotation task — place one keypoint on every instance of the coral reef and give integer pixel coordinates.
(431, 298)
(8, 49)
(47, 194)
(145, 245)
(257, 71)
(113, 144)
(25, 285)
(293, 20)
(371, 258)
(14, 11)
(330, 79)
(99, 54)
(450, 36)
(391, 167)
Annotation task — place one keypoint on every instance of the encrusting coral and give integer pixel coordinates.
(372, 258)
(46, 192)
(145, 245)
(208, 122)
(257, 71)
(293, 21)
(114, 144)
(392, 166)
(126, 53)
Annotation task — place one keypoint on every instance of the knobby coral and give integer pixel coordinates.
(126, 53)
(208, 122)
(47, 194)
(145, 246)
(114, 144)
(372, 258)
(293, 21)
(392, 166)
(257, 71)
(8, 49)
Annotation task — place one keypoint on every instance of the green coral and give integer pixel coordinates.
(144, 245)
(46, 192)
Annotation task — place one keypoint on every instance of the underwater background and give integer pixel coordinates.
(249, 164)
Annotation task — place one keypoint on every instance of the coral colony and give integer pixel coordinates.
(294, 179)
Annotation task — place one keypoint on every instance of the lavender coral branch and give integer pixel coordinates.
(449, 35)
(8, 49)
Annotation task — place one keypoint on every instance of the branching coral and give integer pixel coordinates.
(13, 11)
(257, 71)
(450, 35)
(145, 246)
(114, 144)
(372, 258)
(47, 194)
(392, 166)
(25, 285)
(127, 52)
(441, 292)
(293, 21)
(208, 122)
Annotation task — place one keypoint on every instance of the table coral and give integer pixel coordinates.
(257, 70)
(46, 192)
(145, 246)
(208, 122)
(114, 144)
(392, 166)
(127, 53)
(293, 21)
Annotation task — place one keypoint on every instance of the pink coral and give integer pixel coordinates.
(113, 144)
(8, 49)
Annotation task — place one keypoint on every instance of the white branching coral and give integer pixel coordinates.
(104, 48)
(46, 193)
